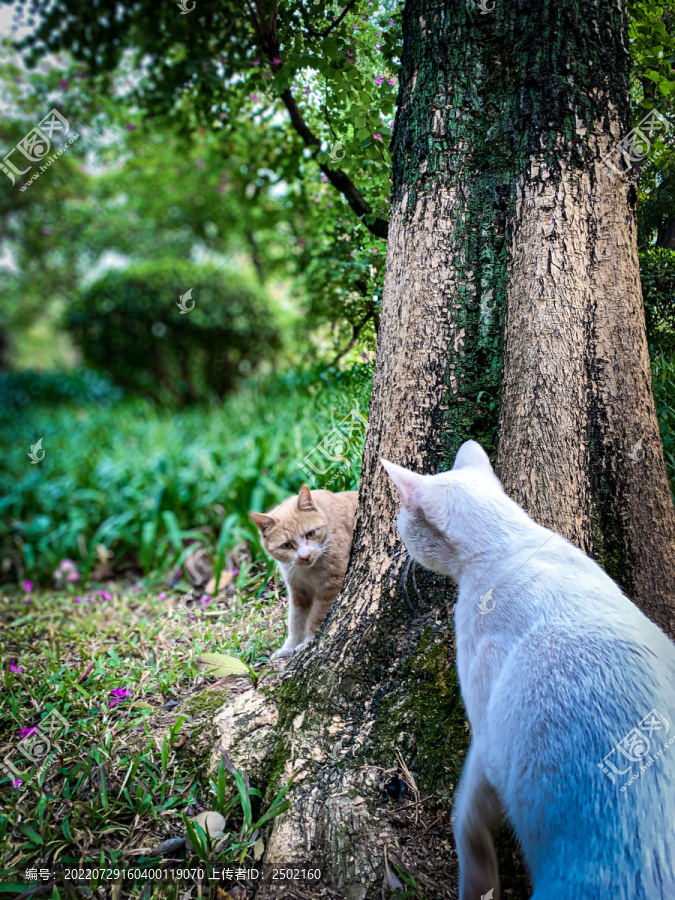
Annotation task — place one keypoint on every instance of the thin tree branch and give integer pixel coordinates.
(323, 34)
(336, 177)
(356, 331)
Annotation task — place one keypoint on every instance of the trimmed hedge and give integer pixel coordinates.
(129, 326)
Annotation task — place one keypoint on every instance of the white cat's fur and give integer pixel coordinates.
(559, 671)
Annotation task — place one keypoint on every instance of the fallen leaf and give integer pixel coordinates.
(220, 664)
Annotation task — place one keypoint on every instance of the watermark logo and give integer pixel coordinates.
(637, 144)
(184, 8)
(335, 447)
(484, 10)
(34, 454)
(484, 601)
(637, 453)
(635, 746)
(182, 305)
(35, 146)
(336, 152)
(36, 747)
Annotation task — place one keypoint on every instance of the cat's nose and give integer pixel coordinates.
(304, 556)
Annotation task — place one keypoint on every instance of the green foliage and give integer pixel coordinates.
(143, 483)
(657, 273)
(129, 325)
(126, 767)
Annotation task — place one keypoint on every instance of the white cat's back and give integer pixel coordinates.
(559, 671)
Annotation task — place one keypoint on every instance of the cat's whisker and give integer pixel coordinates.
(414, 581)
(404, 577)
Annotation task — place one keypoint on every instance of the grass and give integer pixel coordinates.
(125, 776)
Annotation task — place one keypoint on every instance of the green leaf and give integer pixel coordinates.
(31, 833)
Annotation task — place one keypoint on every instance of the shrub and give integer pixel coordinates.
(128, 325)
(657, 272)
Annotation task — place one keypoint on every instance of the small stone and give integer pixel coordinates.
(171, 704)
(211, 822)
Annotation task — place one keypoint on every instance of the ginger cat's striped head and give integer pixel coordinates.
(296, 532)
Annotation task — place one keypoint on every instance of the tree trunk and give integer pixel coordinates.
(502, 223)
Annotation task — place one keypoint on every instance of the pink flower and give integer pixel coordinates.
(118, 695)
(64, 84)
(276, 60)
(105, 595)
(391, 21)
(392, 81)
(162, 596)
(379, 79)
(253, 97)
(14, 668)
(256, 62)
(205, 599)
(378, 137)
(17, 782)
(72, 577)
(27, 586)
(26, 732)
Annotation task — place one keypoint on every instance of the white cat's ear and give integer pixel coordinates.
(407, 483)
(305, 501)
(472, 455)
(263, 522)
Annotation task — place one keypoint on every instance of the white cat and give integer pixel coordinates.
(569, 689)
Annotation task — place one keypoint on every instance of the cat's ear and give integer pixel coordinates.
(305, 502)
(472, 455)
(407, 483)
(263, 522)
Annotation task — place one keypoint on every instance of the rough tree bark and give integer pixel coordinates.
(507, 243)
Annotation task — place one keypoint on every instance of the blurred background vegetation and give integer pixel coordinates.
(189, 178)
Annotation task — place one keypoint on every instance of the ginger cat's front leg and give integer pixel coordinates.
(477, 812)
(299, 607)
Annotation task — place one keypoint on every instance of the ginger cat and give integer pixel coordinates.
(310, 536)
(568, 687)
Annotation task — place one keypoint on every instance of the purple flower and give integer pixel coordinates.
(391, 21)
(118, 695)
(256, 62)
(379, 79)
(276, 60)
(14, 668)
(26, 732)
(205, 599)
(17, 782)
(64, 84)
(378, 137)
(132, 127)
(162, 596)
(27, 586)
(392, 81)
(105, 595)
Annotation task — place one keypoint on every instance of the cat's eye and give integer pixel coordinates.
(286, 546)
(310, 534)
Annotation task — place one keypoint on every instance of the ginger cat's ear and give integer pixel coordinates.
(263, 522)
(305, 501)
(407, 483)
